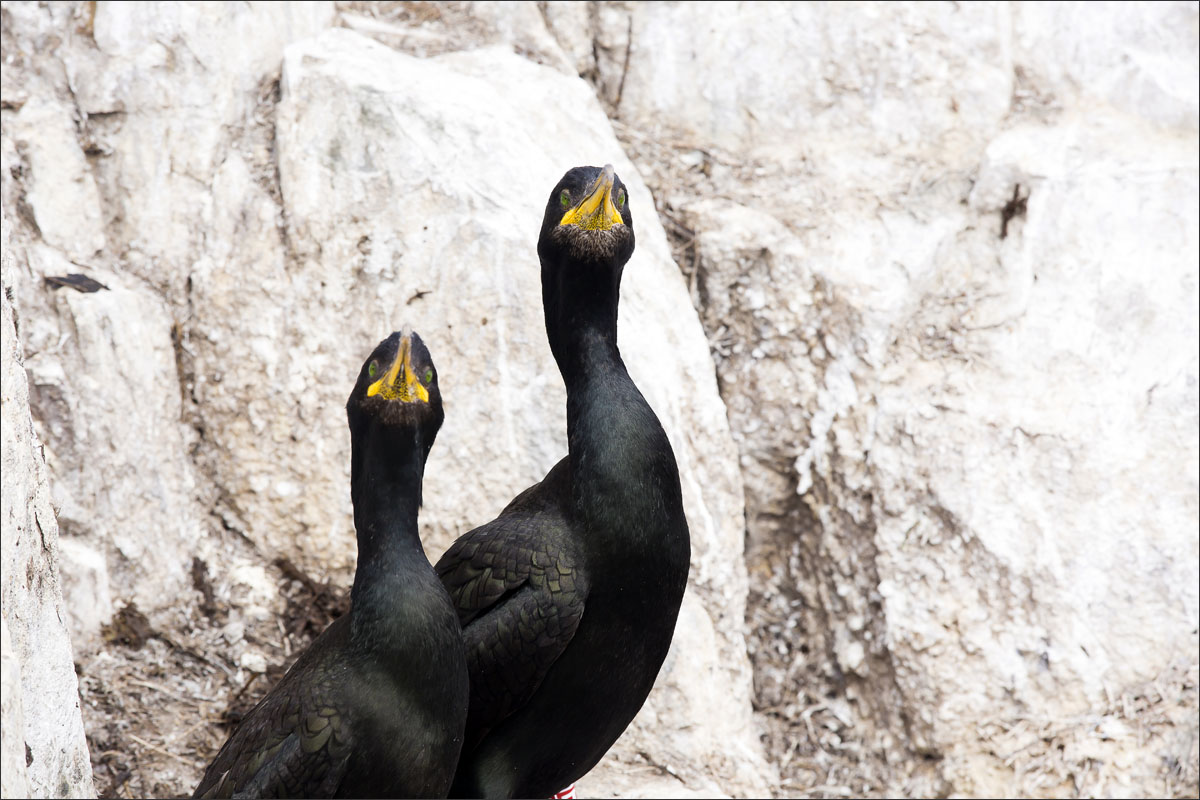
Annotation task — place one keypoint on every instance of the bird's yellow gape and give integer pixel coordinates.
(596, 210)
(400, 382)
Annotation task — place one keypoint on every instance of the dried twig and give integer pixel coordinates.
(159, 750)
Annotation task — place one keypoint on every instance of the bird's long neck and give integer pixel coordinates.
(617, 445)
(581, 321)
(385, 487)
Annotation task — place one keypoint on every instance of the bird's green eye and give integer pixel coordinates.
(428, 375)
(621, 199)
(565, 198)
(371, 370)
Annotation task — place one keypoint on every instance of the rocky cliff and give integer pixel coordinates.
(918, 310)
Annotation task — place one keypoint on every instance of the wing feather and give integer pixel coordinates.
(520, 592)
(293, 743)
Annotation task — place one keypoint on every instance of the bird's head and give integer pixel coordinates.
(397, 390)
(588, 220)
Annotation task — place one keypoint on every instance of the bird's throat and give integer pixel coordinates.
(581, 322)
(385, 487)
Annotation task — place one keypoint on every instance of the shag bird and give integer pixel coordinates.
(569, 598)
(375, 707)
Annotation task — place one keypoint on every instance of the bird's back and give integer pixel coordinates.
(563, 641)
(518, 584)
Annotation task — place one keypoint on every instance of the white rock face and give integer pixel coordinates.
(194, 408)
(44, 751)
(945, 259)
(104, 367)
(971, 456)
(62, 194)
(112, 390)
(14, 777)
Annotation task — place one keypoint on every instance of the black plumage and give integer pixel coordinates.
(375, 707)
(569, 598)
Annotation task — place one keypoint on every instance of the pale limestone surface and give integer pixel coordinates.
(972, 459)
(44, 752)
(14, 777)
(969, 462)
(250, 265)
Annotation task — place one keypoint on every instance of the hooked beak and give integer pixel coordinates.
(596, 210)
(400, 382)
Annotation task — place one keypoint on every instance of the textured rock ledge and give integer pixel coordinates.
(944, 257)
(44, 752)
(193, 410)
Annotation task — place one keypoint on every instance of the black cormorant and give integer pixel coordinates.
(375, 707)
(569, 598)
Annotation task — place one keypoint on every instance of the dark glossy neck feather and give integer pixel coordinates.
(615, 439)
(386, 470)
(580, 302)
